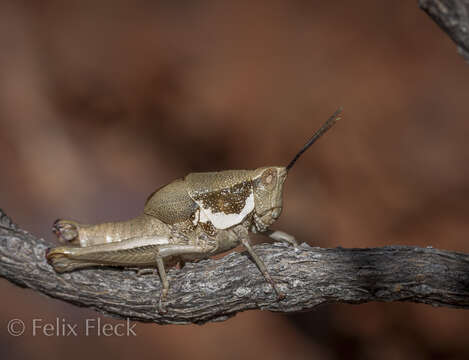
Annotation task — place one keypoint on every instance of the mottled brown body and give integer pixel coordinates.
(224, 207)
(191, 218)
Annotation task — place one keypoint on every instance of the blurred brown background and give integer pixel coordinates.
(101, 102)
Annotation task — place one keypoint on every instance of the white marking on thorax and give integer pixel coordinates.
(108, 238)
(220, 220)
(196, 217)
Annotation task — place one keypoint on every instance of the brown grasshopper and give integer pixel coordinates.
(189, 219)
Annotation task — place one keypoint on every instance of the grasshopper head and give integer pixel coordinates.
(268, 187)
(268, 182)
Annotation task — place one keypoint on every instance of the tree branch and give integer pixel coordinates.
(453, 17)
(214, 290)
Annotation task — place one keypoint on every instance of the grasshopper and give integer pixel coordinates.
(189, 219)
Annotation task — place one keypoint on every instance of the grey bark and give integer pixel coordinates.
(453, 17)
(214, 290)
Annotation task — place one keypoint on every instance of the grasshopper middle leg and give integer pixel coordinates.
(260, 264)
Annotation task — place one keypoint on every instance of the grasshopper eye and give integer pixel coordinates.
(269, 178)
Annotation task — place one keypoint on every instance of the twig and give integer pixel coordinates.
(214, 290)
(453, 17)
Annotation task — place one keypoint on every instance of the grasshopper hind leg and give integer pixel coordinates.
(164, 282)
(171, 254)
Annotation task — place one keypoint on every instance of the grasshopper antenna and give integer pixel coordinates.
(326, 126)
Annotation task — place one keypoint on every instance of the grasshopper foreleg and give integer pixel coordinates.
(281, 236)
